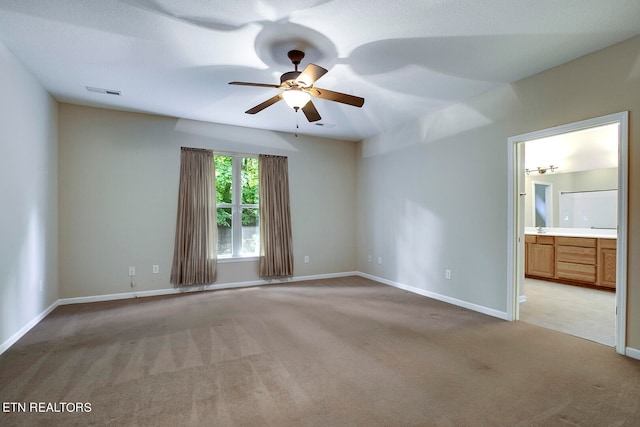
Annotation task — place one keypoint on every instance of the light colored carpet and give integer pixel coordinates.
(340, 352)
(582, 312)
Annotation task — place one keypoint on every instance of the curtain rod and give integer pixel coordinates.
(230, 153)
(237, 153)
(234, 153)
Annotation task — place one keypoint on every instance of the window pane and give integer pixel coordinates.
(250, 232)
(225, 235)
(237, 213)
(223, 178)
(249, 181)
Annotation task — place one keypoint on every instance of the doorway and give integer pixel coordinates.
(542, 204)
(516, 215)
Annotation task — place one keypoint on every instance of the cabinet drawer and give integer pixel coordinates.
(546, 240)
(577, 272)
(608, 243)
(576, 254)
(585, 242)
(541, 240)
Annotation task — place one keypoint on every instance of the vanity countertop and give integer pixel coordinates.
(572, 232)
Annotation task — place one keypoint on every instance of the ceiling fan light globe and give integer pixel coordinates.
(296, 98)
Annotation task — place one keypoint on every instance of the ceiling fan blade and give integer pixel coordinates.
(254, 84)
(330, 95)
(265, 104)
(310, 112)
(310, 74)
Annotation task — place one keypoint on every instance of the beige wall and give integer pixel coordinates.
(28, 198)
(118, 197)
(433, 193)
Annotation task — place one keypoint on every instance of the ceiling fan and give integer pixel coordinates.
(298, 89)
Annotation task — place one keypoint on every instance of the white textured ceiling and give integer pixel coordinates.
(586, 149)
(406, 57)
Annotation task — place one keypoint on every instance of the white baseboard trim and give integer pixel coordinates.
(26, 328)
(198, 288)
(629, 351)
(634, 353)
(460, 303)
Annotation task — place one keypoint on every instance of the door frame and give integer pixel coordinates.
(515, 214)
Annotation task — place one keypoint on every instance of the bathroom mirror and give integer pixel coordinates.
(589, 209)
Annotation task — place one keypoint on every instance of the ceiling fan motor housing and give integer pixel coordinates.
(290, 77)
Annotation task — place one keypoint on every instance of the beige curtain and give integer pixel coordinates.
(194, 253)
(276, 248)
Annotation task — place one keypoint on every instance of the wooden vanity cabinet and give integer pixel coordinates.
(587, 260)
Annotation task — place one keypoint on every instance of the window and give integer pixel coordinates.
(237, 206)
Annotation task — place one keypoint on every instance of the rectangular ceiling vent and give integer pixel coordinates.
(105, 91)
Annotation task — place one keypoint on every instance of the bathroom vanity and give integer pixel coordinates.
(573, 256)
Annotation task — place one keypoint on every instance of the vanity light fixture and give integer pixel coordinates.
(542, 169)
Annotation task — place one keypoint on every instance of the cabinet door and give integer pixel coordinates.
(541, 260)
(608, 267)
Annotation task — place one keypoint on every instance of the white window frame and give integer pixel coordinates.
(236, 208)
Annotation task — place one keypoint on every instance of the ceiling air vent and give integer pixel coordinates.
(105, 91)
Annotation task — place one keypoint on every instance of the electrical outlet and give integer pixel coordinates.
(369, 258)
(132, 271)
(447, 274)
(379, 260)
(156, 269)
(306, 259)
